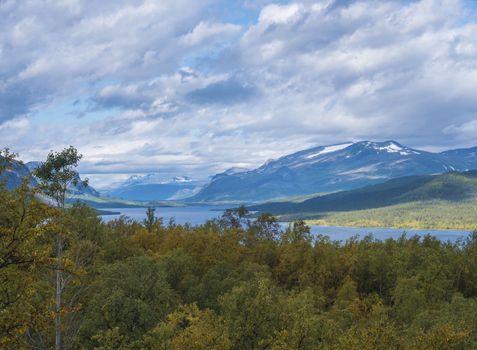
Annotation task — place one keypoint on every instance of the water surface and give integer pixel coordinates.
(197, 215)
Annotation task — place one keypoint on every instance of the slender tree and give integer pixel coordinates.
(151, 222)
(55, 176)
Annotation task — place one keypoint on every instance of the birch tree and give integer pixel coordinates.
(55, 176)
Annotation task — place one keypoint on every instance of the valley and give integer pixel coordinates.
(361, 184)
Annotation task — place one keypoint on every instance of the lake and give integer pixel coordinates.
(197, 215)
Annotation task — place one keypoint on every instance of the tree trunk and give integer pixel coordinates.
(58, 292)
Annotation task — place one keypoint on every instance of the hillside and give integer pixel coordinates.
(13, 176)
(371, 204)
(85, 194)
(332, 168)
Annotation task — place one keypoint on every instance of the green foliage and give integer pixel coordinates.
(188, 328)
(24, 254)
(296, 232)
(265, 227)
(231, 284)
(58, 172)
(132, 295)
(151, 222)
(234, 218)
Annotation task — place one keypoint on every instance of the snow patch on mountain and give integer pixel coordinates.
(392, 147)
(181, 179)
(154, 178)
(329, 149)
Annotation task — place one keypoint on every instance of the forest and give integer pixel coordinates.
(70, 281)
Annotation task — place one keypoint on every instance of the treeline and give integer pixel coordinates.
(232, 283)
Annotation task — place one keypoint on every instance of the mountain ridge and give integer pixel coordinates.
(445, 201)
(451, 187)
(331, 168)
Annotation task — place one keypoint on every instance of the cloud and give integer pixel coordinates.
(465, 130)
(186, 90)
(52, 49)
(223, 92)
(209, 31)
(125, 97)
(15, 124)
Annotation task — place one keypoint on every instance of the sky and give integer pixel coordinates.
(193, 87)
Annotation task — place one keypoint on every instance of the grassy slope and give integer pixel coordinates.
(443, 201)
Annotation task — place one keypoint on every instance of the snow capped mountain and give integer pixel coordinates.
(328, 149)
(181, 179)
(332, 168)
(390, 147)
(153, 178)
(152, 187)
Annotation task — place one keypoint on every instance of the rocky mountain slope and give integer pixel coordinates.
(332, 168)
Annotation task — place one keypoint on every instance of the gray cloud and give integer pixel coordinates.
(222, 92)
(115, 96)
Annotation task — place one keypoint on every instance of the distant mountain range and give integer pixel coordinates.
(323, 169)
(332, 168)
(451, 187)
(151, 188)
(137, 191)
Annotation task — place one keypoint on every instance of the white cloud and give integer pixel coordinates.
(465, 131)
(16, 124)
(188, 93)
(209, 31)
(279, 14)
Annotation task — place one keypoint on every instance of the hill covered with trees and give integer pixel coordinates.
(434, 201)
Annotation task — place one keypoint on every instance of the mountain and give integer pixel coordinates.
(88, 194)
(466, 157)
(13, 176)
(332, 168)
(451, 187)
(79, 189)
(151, 188)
